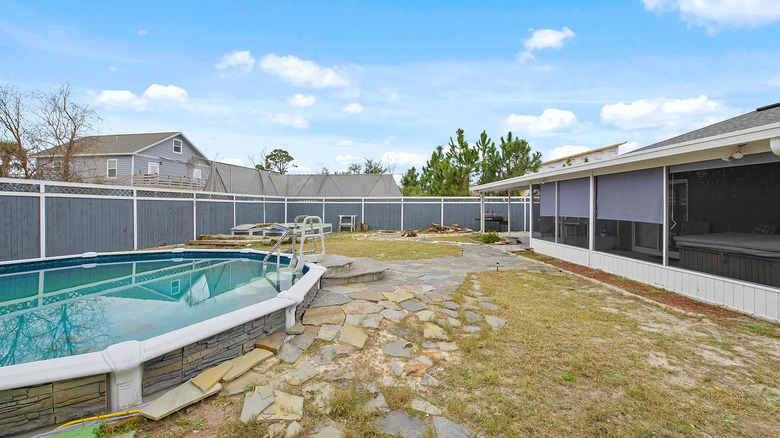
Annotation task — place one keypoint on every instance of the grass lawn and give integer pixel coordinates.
(371, 245)
(460, 238)
(577, 359)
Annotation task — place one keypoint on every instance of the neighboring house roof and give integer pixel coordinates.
(120, 144)
(582, 153)
(227, 178)
(760, 117)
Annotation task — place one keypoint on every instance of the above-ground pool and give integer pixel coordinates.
(98, 332)
(66, 307)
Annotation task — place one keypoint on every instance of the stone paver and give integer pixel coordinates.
(421, 405)
(429, 380)
(451, 305)
(398, 297)
(240, 384)
(211, 376)
(397, 349)
(302, 373)
(329, 431)
(244, 363)
(401, 424)
(447, 429)
(389, 305)
(324, 315)
(294, 430)
(353, 335)
(413, 306)
(176, 399)
(325, 356)
(289, 353)
(343, 290)
(495, 321)
(437, 297)
(372, 320)
(470, 329)
(426, 315)
(393, 315)
(433, 331)
(285, 407)
(368, 295)
(472, 317)
(272, 342)
(452, 322)
(326, 298)
(328, 332)
(361, 307)
(254, 405)
(450, 313)
(378, 403)
(488, 306)
(448, 346)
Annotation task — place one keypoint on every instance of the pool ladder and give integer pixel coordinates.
(309, 228)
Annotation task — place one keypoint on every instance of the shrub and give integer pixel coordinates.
(491, 237)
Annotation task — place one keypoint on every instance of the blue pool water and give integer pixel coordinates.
(62, 308)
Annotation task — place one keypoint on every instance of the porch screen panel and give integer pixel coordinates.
(631, 196)
(574, 198)
(547, 199)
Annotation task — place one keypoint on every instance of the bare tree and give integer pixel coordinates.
(64, 123)
(19, 128)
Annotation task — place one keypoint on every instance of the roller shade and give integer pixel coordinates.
(631, 196)
(574, 198)
(547, 199)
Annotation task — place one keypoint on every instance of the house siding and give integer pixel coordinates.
(173, 164)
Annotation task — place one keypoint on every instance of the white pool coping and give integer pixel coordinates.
(124, 361)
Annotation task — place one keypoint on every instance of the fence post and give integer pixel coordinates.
(263, 200)
(42, 219)
(509, 214)
(194, 217)
(481, 212)
(135, 220)
(531, 214)
(442, 211)
(323, 209)
(525, 217)
(402, 213)
(363, 210)
(285, 210)
(234, 210)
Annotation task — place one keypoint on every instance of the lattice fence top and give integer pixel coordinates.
(156, 194)
(91, 191)
(20, 187)
(212, 196)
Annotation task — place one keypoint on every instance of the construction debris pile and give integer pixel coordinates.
(408, 233)
(230, 240)
(454, 228)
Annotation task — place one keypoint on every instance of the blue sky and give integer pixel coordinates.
(334, 82)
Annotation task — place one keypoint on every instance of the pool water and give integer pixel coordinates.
(64, 308)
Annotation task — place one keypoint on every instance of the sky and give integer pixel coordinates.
(336, 82)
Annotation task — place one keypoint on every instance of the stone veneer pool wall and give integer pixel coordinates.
(33, 407)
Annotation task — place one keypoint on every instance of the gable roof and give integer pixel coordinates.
(760, 117)
(120, 144)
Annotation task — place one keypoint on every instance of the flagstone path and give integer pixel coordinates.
(403, 324)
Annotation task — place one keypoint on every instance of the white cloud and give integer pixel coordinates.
(299, 168)
(120, 98)
(301, 100)
(290, 120)
(544, 39)
(774, 82)
(345, 142)
(674, 114)
(552, 121)
(404, 158)
(353, 108)
(166, 92)
(240, 59)
(718, 14)
(565, 151)
(301, 72)
(628, 147)
(233, 161)
(347, 158)
(113, 69)
(142, 32)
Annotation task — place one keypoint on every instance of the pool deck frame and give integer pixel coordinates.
(123, 362)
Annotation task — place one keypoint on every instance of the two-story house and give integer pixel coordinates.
(163, 159)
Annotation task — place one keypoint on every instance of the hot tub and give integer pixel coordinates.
(144, 320)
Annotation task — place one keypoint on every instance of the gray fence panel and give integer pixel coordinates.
(519, 222)
(274, 212)
(164, 223)
(462, 214)
(421, 215)
(303, 208)
(19, 228)
(214, 217)
(249, 213)
(75, 225)
(383, 216)
(334, 209)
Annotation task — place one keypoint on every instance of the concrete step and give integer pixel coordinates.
(362, 270)
(336, 264)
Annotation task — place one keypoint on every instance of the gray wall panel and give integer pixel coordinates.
(164, 223)
(75, 225)
(303, 208)
(249, 213)
(214, 217)
(334, 209)
(19, 229)
(462, 214)
(383, 216)
(421, 215)
(274, 212)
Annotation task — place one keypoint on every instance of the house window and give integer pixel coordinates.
(111, 168)
(176, 146)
